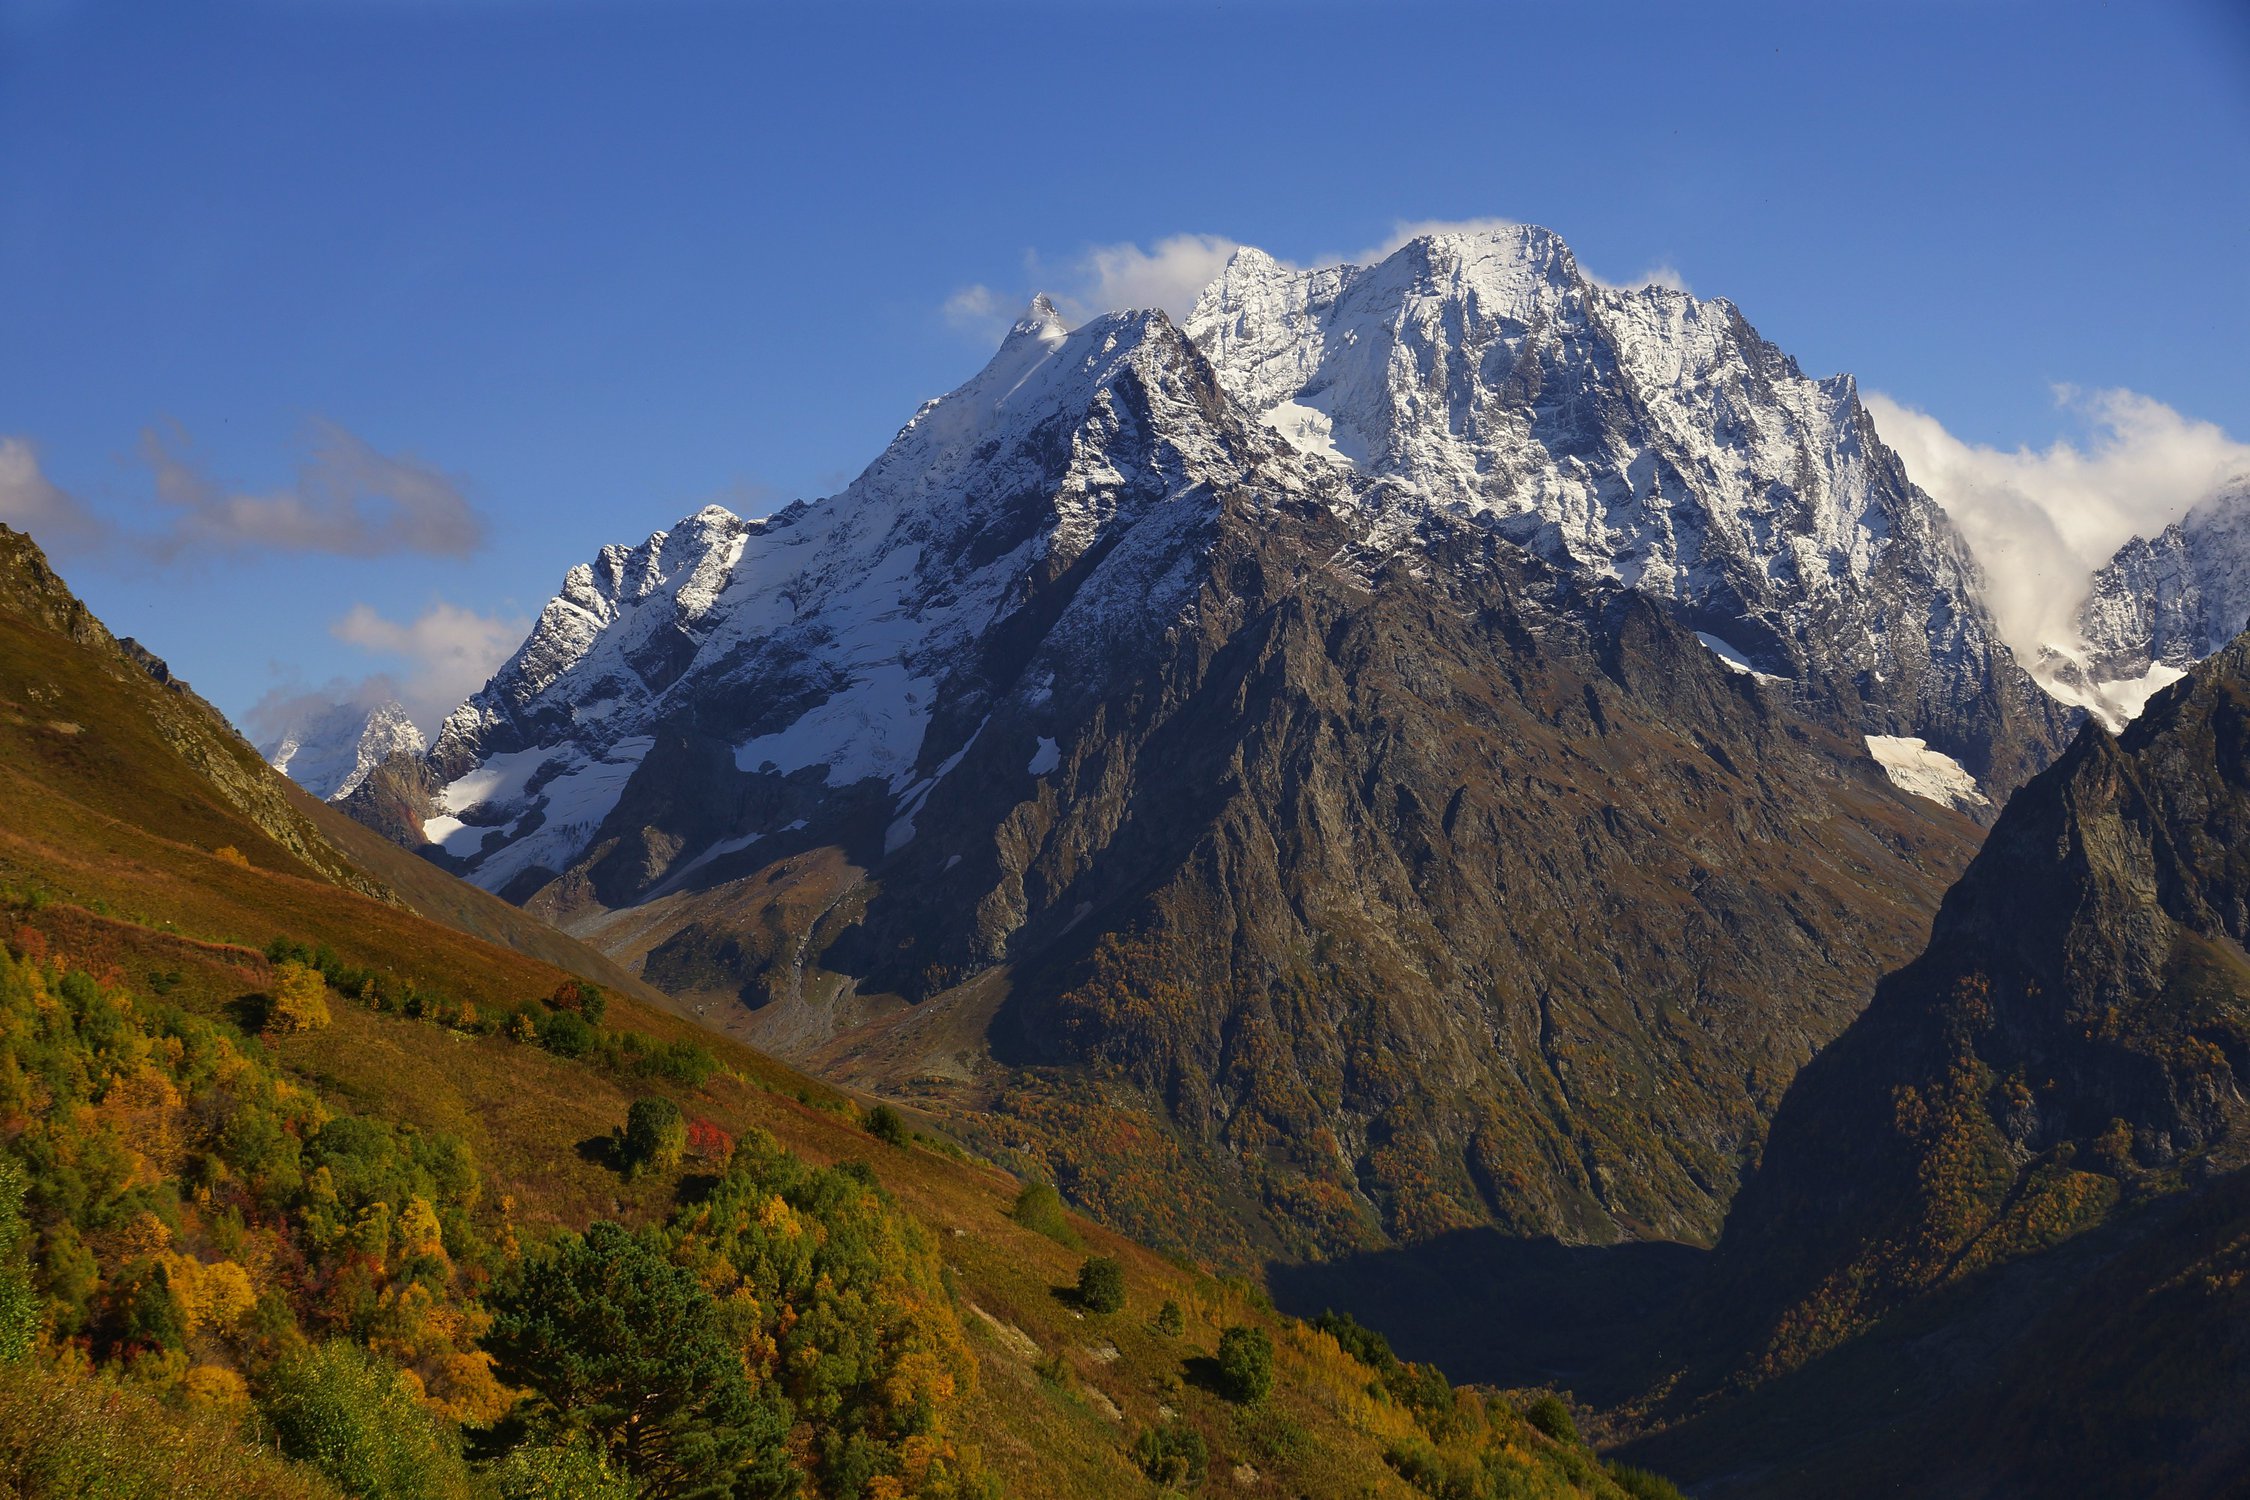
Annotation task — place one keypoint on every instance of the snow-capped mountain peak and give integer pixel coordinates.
(2156, 608)
(1647, 436)
(1069, 481)
(330, 750)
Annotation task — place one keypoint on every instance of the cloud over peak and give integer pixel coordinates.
(2042, 520)
(447, 652)
(1171, 272)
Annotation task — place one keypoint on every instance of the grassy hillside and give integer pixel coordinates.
(313, 1193)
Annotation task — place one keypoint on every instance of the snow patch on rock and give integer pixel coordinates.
(1914, 767)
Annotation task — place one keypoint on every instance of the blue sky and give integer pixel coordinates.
(558, 274)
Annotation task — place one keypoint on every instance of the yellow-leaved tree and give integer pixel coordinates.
(300, 998)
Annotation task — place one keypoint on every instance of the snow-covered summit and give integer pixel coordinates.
(1643, 435)
(1064, 487)
(329, 751)
(2158, 607)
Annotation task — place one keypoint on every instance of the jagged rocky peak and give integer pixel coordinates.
(330, 749)
(1646, 436)
(2158, 607)
(1061, 489)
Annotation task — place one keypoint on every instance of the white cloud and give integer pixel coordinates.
(289, 705)
(2040, 521)
(1403, 230)
(1171, 272)
(445, 653)
(1663, 274)
(348, 499)
(977, 310)
(1101, 279)
(31, 502)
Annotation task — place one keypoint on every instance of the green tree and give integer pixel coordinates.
(1173, 1456)
(1039, 1207)
(1101, 1285)
(19, 1303)
(583, 997)
(1170, 1321)
(1643, 1484)
(1551, 1415)
(629, 1347)
(566, 1033)
(655, 1136)
(1245, 1364)
(888, 1125)
(574, 1470)
(352, 1417)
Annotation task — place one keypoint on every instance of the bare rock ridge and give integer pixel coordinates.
(1100, 765)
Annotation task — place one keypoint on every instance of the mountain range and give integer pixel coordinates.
(1455, 657)
(1399, 559)
(1487, 799)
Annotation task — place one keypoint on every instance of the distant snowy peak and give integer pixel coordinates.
(1064, 492)
(1646, 436)
(2158, 607)
(330, 751)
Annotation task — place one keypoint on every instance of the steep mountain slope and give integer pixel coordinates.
(1373, 881)
(2160, 606)
(331, 751)
(2033, 1144)
(1648, 437)
(99, 744)
(214, 1194)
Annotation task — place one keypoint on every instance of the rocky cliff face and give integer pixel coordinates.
(2075, 1040)
(1648, 437)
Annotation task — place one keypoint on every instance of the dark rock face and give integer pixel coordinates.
(395, 799)
(1419, 901)
(2074, 1041)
